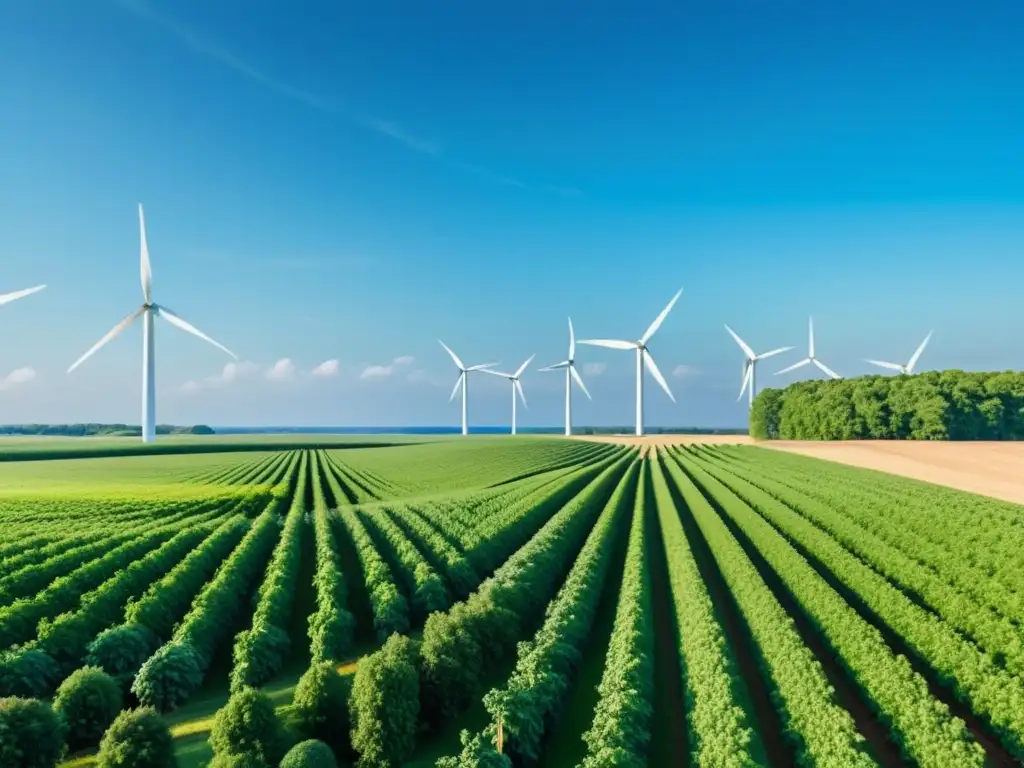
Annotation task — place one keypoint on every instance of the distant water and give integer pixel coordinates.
(381, 430)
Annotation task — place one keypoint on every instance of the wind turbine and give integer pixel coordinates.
(643, 358)
(569, 364)
(463, 381)
(750, 364)
(810, 357)
(517, 386)
(909, 367)
(7, 298)
(147, 311)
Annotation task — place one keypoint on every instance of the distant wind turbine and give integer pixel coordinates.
(643, 358)
(147, 311)
(463, 381)
(517, 386)
(750, 364)
(909, 367)
(7, 298)
(810, 357)
(569, 364)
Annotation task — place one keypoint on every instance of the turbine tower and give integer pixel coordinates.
(463, 381)
(7, 298)
(810, 357)
(643, 358)
(750, 364)
(909, 367)
(569, 364)
(517, 386)
(147, 311)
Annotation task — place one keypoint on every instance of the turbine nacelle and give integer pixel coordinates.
(909, 367)
(811, 359)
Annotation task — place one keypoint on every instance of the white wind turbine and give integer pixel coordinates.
(810, 357)
(147, 312)
(569, 364)
(750, 364)
(517, 386)
(463, 381)
(643, 358)
(7, 298)
(909, 367)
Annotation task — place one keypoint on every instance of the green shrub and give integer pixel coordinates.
(385, 703)
(31, 734)
(237, 761)
(309, 754)
(248, 725)
(138, 738)
(121, 651)
(88, 700)
(30, 673)
(321, 706)
(169, 677)
(259, 653)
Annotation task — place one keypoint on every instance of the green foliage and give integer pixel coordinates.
(88, 700)
(936, 405)
(31, 734)
(479, 751)
(169, 676)
(321, 706)
(27, 672)
(309, 754)
(121, 651)
(248, 725)
(138, 738)
(385, 703)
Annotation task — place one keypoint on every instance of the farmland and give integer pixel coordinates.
(497, 601)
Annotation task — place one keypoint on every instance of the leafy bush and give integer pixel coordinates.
(248, 725)
(309, 754)
(88, 700)
(28, 672)
(385, 703)
(121, 651)
(321, 706)
(259, 653)
(138, 738)
(31, 734)
(169, 676)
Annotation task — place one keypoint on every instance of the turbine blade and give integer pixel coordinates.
(578, 380)
(455, 391)
(828, 371)
(519, 388)
(493, 373)
(917, 354)
(186, 326)
(743, 345)
(523, 366)
(653, 368)
(746, 380)
(794, 366)
(572, 341)
(147, 270)
(810, 329)
(115, 331)
(609, 343)
(482, 366)
(883, 364)
(556, 366)
(7, 298)
(454, 356)
(660, 318)
(774, 352)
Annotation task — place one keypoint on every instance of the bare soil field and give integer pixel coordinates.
(988, 468)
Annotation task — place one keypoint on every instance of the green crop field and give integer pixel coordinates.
(523, 601)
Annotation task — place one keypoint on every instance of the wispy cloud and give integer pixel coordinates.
(685, 371)
(388, 128)
(18, 376)
(326, 369)
(282, 370)
(594, 369)
(231, 373)
(383, 371)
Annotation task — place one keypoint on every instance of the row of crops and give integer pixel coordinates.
(569, 604)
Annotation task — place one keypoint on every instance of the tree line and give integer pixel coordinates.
(936, 405)
(92, 430)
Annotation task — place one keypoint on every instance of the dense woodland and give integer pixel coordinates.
(93, 430)
(937, 405)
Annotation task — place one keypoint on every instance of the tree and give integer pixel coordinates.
(31, 734)
(321, 707)
(385, 703)
(248, 725)
(138, 738)
(89, 700)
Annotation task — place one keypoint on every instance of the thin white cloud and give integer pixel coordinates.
(231, 373)
(190, 387)
(18, 376)
(594, 369)
(383, 371)
(327, 369)
(685, 371)
(282, 370)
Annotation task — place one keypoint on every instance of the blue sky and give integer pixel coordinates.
(353, 181)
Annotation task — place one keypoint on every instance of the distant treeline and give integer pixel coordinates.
(92, 430)
(657, 430)
(937, 405)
